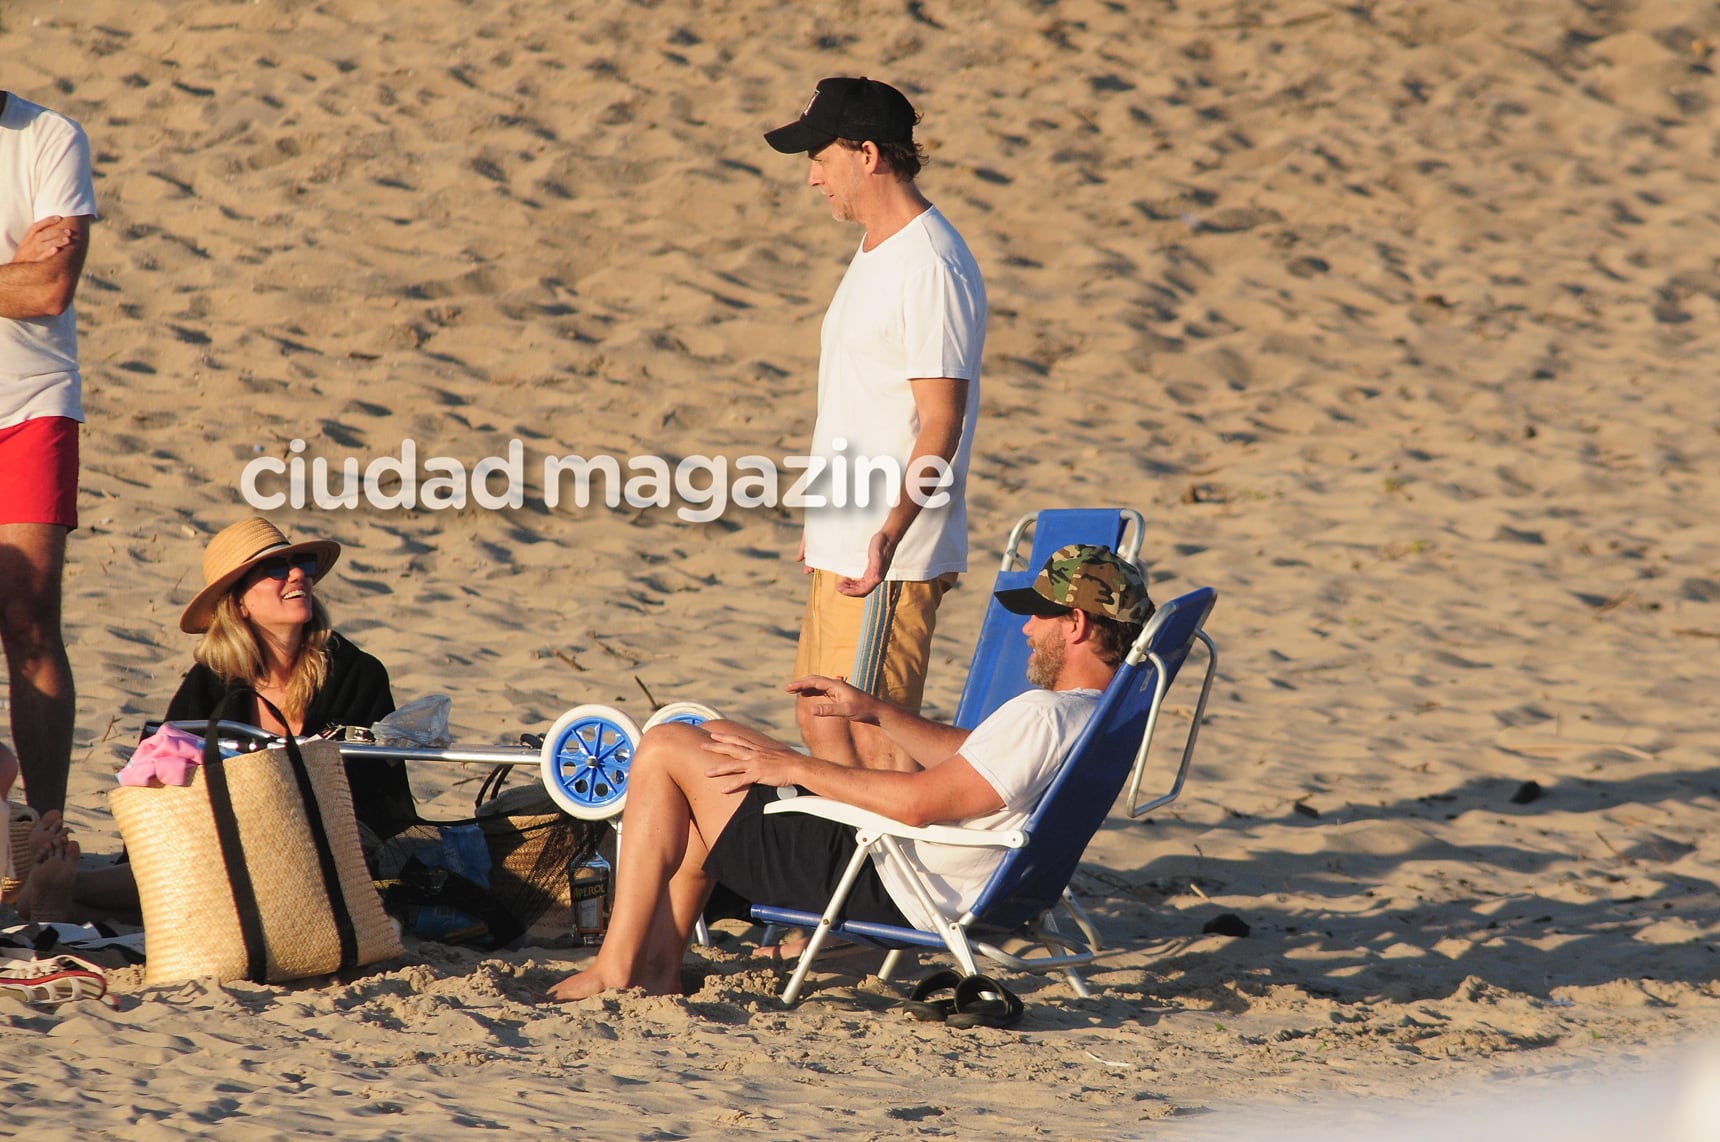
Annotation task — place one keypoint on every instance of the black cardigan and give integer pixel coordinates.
(356, 693)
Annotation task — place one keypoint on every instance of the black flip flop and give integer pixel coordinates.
(983, 1002)
(920, 1005)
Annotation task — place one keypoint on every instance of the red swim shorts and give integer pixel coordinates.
(39, 472)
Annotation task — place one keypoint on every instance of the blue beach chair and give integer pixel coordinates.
(1030, 884)
(999, 669)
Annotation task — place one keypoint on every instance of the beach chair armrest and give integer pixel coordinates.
(879, 825)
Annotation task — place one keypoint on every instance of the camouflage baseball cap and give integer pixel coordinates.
(1084, 577)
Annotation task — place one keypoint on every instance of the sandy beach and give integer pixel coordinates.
(1397, 320)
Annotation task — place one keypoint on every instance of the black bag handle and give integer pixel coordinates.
(233, 848)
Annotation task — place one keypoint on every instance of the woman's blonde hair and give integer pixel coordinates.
(231, 648)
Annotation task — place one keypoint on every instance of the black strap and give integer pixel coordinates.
(492, 786)
(233, 849)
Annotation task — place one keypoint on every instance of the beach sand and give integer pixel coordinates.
(1397, 320)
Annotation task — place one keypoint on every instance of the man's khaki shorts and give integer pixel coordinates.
(881, 644)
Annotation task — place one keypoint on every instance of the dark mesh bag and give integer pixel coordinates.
(433, 875)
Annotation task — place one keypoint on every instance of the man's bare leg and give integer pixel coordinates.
(877, 751)
(828, 738)
(32, 558)
(842, 741)
(674, 812)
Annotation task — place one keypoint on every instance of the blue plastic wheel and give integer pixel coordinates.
(683, 713)
(587, 756)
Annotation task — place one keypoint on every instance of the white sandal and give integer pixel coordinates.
(50, 981)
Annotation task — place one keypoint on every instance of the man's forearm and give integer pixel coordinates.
(877, 790)
(934, 440)
(950, 789)
(42, 277)
(940, 404)
(33, 289)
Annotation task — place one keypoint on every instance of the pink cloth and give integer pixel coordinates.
(167, 757)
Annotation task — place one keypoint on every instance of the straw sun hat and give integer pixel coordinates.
(237, 549)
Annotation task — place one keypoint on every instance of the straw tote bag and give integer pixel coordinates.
(253, 871)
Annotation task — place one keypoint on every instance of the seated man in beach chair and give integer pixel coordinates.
(695, 804)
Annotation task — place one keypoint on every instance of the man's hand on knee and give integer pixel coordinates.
(740, 761)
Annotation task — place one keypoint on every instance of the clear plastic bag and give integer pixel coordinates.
(421, 723)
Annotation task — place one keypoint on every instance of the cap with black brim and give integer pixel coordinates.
(847, 107)
(798, 138)
(1027, 601)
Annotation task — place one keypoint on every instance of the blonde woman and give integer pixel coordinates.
(264, 628)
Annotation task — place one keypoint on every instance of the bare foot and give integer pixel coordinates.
(783, 951)
(45, 830)
(47, 896)
(595, 980)
(49, 828)
(584, 984)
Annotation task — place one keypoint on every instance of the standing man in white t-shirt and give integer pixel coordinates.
(898, 397)
(47, 202)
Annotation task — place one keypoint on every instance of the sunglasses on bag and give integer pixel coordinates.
(280, 567)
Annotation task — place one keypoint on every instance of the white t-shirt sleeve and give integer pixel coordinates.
(943, 323)
(44, 171)
(63, 182)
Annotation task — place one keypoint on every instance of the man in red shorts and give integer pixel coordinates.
(47, 202)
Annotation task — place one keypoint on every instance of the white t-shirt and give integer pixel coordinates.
(1018, 750)
(44, 170)
(912, 308)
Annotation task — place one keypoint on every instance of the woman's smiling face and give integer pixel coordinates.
(276, 595)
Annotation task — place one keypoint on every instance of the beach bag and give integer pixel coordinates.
(253, 870)
(491, 880)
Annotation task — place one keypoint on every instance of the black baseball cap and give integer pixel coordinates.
(845, 107)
